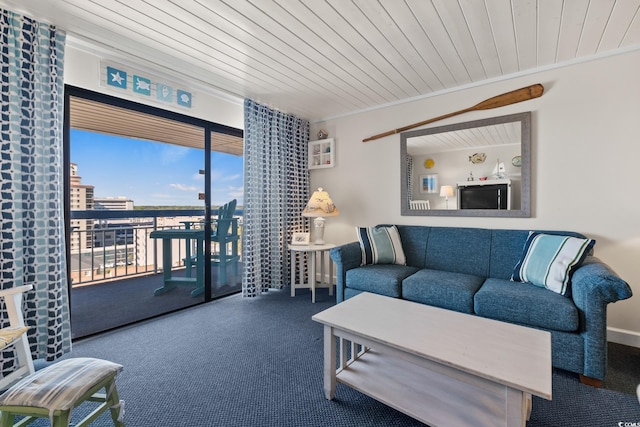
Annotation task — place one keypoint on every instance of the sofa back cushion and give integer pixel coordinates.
(506, 251)
(414, 243)
(459, 250)
(476, 251)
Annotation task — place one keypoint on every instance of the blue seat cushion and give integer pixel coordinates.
(518, 302)
(382, 279)
(453, 291)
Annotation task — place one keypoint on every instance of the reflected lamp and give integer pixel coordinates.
(446, 191)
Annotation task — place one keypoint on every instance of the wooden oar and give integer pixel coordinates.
(513, 97)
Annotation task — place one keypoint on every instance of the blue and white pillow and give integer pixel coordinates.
(548, 260)
(381, 245)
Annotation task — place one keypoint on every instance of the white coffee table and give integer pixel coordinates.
(441, 367)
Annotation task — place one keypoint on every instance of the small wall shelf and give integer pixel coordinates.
(321, 153)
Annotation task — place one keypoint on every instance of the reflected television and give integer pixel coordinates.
(494, 196)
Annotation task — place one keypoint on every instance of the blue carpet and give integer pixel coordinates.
(258, 362)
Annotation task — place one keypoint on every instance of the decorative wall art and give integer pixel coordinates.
(144, 85)
(429, 183)
(477, 158)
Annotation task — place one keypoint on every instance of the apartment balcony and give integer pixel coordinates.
(115, 267)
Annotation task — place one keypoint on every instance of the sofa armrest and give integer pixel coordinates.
(594, 285)
(595, 280)
(346, 257)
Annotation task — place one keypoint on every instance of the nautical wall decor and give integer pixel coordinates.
(144, 85)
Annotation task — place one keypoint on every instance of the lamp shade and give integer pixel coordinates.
(320, 205)
(446, 191)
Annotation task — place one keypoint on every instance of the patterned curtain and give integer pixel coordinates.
(409, 161)
(32, 250)
(276, 192)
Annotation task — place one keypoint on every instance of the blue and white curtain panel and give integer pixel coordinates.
(32, 246)
(409, 160)
(276, 192)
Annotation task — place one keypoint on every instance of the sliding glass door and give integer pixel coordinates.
(142, 221)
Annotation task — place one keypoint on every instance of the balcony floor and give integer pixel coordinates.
(102, 306)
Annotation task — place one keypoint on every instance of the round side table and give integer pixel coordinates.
(311, 280)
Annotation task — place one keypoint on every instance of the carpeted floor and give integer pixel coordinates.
(258, 362)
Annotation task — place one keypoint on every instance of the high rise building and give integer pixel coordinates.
(81, 199)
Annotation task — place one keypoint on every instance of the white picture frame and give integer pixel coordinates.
(429, 183)
(300, 238)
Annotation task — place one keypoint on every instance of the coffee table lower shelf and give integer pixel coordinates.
(439, 366)
(433, 393)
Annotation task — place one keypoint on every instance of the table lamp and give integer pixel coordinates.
(446, 191)
(320, 205)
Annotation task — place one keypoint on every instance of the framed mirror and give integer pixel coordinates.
(477, 168)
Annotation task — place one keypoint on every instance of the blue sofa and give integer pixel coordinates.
(469, 270)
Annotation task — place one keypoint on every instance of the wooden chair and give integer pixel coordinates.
(16, 334)
(228, 239)
(419, 204)
(52, 392)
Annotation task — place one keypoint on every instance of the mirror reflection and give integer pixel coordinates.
(478, 168)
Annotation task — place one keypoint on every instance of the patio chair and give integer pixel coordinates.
(52, 392)
(228, 239)
(225, 235)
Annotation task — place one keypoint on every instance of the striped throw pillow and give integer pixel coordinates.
(548, 260)
(380, 245)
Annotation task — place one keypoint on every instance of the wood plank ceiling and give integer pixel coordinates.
(98, 117)
(325, 58)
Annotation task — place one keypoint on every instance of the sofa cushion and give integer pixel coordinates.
(380, 245)
(414, 243)
(525, 304)
(453, 291)
(459, 250)
(506, 251)
(383, 279)
(549, 260)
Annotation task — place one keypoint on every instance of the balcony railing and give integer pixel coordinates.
(110, 245)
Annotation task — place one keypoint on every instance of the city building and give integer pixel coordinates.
(81, 196)
(112, 203)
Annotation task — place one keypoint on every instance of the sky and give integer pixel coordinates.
(153, 173)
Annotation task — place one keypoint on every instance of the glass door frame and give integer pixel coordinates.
(208, 127)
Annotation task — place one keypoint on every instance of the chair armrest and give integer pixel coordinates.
(225, 227)
(17, 290)
(346, 257)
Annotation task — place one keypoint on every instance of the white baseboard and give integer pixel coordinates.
(623, 336)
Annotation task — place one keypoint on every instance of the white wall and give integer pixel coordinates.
(585, 165)
(82, 69)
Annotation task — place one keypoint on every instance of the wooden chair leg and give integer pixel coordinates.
(6, 419)
(62, 419)
(114, 405)
(593, 382)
